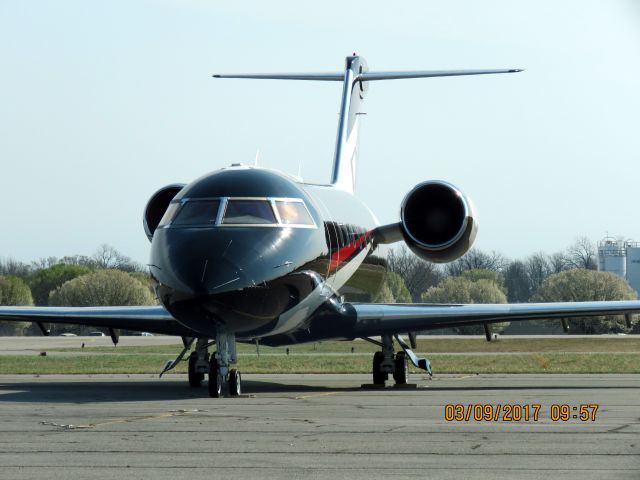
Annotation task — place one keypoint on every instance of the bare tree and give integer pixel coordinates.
(81, 260)
(516, 280)
(15, 268)
(558, 262)
(582, 254)
(538, 270)
(108, 257)
(417, 274)
(43, 263)
(476, 259)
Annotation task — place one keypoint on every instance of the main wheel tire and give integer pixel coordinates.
(195, 378)
(379, 377)
(401, 370)
(235, 382)
(215, 379)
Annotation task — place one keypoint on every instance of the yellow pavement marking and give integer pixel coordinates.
(176, 413)
(463, 377)
(313, 395)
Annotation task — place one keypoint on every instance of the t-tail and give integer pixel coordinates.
(355, 79)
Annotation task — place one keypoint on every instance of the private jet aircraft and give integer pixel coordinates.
(247, 254)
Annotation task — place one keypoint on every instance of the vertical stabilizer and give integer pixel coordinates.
(355, 79)
(345, 158)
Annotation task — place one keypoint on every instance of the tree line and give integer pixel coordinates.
(110, 278)
(106, 278)
(490, 277)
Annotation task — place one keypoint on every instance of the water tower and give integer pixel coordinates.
(612, 256)
(633, 264)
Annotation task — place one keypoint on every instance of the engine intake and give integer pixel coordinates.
(437, 221)
(156, 206)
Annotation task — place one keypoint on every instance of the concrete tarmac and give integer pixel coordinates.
(314, 426)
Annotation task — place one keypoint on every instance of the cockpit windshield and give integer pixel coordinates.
(236, 212)
(248, 212)
(203, 212)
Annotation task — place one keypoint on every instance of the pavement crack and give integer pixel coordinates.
(617, 429)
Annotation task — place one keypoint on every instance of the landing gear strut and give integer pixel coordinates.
(198, 363)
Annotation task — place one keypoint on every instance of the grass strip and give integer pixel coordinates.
(152, 364)
(434, 344)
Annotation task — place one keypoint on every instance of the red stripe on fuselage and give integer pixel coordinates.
(340, 256)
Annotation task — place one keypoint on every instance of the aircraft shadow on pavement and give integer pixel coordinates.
(45, 391)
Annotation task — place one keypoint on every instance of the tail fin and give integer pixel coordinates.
(355, 79)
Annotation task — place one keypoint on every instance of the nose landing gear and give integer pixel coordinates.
(216, 366)
(219, 366)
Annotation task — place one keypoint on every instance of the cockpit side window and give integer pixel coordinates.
(198, 212)
(169, 214)
(293, 213)
(248, 212)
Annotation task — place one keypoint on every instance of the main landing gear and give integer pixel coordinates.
(198, 363)
(387, 362)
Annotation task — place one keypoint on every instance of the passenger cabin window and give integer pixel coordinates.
(293, 213)
(198, 212)
(248, 212)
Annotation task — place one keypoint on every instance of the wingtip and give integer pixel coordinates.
(216, 75)
(516, 70)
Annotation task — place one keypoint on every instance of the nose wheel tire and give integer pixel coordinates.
(235, 381)
(215, 379)
(195, 378)
(401, 370)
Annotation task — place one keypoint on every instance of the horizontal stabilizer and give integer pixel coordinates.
(365, 76)
(370, 76)
(327, 77)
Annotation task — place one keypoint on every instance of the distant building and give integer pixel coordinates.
(621, 257)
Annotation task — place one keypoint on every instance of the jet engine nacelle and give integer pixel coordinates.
(157, 205)
(438, 221)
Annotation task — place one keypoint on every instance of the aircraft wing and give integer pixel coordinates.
(378, 319)
(154, 319)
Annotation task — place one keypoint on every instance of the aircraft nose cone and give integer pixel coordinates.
(199, 262)
(203, 273)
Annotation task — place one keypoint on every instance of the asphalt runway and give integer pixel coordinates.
(314, 426)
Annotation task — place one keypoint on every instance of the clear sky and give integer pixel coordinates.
(105, 102)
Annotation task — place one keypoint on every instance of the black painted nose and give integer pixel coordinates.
(196, 262)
